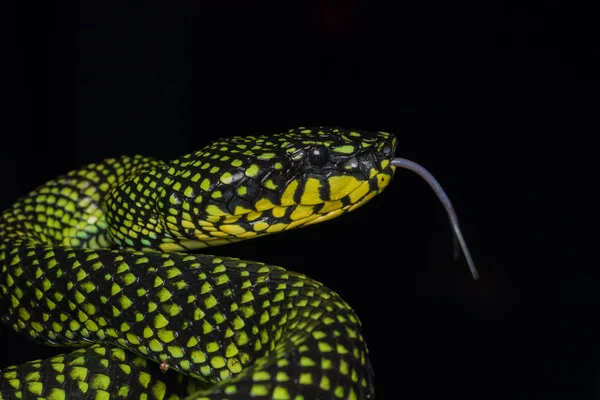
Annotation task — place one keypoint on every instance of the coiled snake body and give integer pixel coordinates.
(99, 258)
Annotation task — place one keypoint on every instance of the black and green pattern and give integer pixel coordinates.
(99, 258)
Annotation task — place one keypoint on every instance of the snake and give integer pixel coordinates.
(106, 261)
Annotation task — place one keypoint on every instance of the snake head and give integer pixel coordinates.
(244, 187)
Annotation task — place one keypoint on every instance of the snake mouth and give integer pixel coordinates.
(308, 210)
(354, 199)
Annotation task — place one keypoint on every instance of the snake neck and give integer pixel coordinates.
(69, 209)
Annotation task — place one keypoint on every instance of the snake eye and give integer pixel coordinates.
(385, 148)
(318, 156)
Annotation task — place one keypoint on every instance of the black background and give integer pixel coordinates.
(499, 101)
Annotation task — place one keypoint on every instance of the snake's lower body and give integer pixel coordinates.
(249, 328)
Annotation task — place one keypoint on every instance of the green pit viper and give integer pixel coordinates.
(101, 259)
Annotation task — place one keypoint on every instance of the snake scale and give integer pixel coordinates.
(103, 260)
